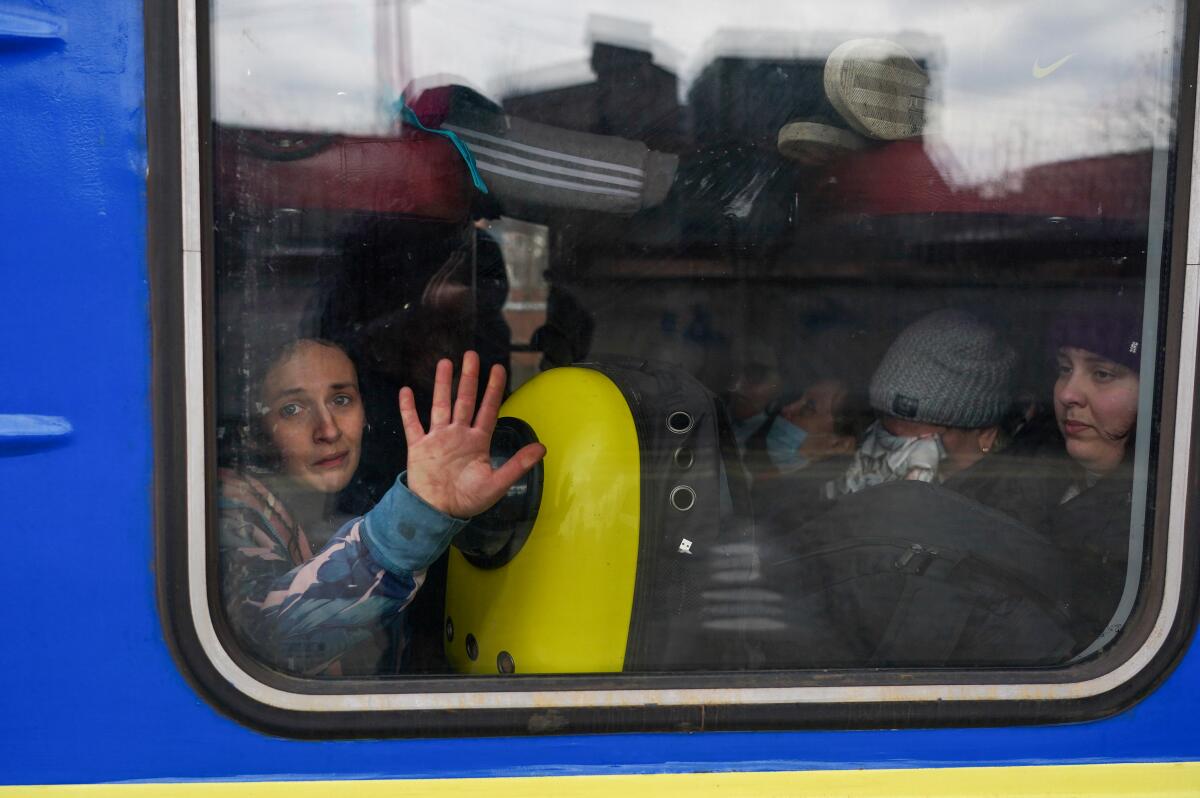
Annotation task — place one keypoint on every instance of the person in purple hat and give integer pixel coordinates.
(1096, 395)
(1096, 343)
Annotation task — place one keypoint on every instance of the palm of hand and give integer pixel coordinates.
(450, 470)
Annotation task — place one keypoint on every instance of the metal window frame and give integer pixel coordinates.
(181, 292)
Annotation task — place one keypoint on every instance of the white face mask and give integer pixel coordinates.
(884, 457)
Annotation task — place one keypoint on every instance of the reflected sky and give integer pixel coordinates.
(335, 64)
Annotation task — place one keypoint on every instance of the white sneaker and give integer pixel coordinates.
(816, 143)
(878, 88)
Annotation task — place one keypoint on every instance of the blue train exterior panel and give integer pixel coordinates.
(92, 691)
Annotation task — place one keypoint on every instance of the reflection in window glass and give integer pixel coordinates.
(829, 318)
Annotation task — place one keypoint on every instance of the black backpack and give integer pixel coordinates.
(913, 575)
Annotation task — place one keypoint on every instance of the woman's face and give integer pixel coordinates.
(315, 416)
(1095, 402)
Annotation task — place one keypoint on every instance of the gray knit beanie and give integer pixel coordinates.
(948, 369)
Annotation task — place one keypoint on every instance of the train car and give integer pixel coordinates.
(848, 351)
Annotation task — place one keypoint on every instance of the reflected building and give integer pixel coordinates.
(629, 96)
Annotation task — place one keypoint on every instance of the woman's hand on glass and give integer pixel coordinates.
(449, 466)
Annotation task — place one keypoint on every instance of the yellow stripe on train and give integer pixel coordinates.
(1158, 779)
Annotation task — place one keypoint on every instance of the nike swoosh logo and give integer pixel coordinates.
(1040, 72)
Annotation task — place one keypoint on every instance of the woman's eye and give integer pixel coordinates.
(1100, 375)
(289, 410)
(1064, 368)
(343, 400)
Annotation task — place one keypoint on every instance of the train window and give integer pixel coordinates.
(660, 359)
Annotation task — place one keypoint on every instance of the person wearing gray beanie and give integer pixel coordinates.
(948, 369)
(940, 394)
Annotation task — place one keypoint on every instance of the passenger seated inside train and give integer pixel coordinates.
(940, 393)
(1096, 344)
(904, 570)
(779, 432)
(941, 401)
(310, 602)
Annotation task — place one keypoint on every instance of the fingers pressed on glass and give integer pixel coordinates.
(489, 408)
(468, 386)
(439, 413)
(519, 463)
(413, 431)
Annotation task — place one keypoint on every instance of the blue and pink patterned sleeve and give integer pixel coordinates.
(303, 618)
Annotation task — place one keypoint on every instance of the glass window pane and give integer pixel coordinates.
(835, 322)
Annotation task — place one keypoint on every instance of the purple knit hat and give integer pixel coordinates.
(1108, 323)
